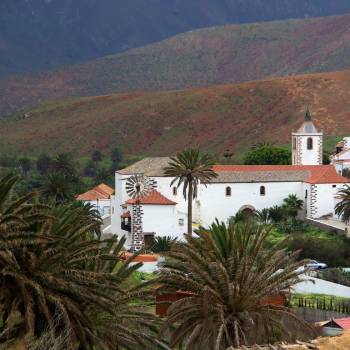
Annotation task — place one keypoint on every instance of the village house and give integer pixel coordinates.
(238, 188)
(341, 158)
(98, 197)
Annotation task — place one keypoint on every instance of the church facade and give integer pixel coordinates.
(237, 188)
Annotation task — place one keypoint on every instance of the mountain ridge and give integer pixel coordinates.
(216, 118)
(37, 35)
(210, 56)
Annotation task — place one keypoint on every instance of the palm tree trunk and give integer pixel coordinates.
(189, 209)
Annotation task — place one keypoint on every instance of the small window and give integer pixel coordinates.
(174, 191)
(306, 193)
(228, 191)
(334, 186)
(262, 191)
(294, 143)
(310, 143)
(181, 222)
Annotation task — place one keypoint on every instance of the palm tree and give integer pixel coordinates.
(57, 186)
(292, 205)
(342, 208)
(276, 214)
(55, 275)
(228, 277)
(14, 210)
(162, 244)
(189, 168)
(263, 216)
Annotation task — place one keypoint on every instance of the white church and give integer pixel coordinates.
(237, 188)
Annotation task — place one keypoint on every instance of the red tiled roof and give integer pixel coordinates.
(153, 198)
(319, 174)
(101, 191)
(342, 322)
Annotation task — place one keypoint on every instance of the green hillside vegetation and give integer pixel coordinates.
(217, 55)
(214, 119)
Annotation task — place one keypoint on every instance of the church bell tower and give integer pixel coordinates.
(307, 143)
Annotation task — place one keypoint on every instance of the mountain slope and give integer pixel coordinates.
(232, 53)
(43, 34)
(160, 123)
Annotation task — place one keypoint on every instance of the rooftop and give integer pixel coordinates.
(308, 126)
(313, 174)
(99, 192)
(153, 198)
(148, 166)
(248, 173)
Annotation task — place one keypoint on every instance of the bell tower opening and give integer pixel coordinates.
(307, 143)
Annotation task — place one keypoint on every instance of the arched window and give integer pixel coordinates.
(228, 191)
(262, 190)
(174, 191)
(310, 143)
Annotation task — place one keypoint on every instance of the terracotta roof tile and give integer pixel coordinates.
(99, 192)
(343, 323)
(314, 174)
(154, 198)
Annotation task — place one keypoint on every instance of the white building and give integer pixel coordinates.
(99, 197)
(307, 144)
(341, 159)
(237, 188)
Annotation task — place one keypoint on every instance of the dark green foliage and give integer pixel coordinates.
(43, 164)
(276, 214)
(342, 208)
(325, 157)
(57, 186)
(96, 156)
(334, 252)
(266, 154)
(25, 164)
(64, 164)
(116, 157)
(292, 205)
(162, 244)
(90, 169)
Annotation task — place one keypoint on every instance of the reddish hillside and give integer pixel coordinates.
(220, 55)
(159, 123)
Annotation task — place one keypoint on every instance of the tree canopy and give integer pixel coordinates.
(266, 154)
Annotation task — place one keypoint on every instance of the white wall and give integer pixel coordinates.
(318, 286)
(102, 205)
(308, 157)
(168, 215)
(325, 199)
(163, 220)
(215, 204)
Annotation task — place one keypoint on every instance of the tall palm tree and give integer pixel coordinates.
(190, 168)
(342, 208)
(57, 186)
(228, 277)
